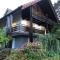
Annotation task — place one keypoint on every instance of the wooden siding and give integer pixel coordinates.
(36, 10)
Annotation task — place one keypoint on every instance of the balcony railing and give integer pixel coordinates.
(17, 30)
(13, 29)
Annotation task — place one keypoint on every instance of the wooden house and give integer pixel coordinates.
(35, 17)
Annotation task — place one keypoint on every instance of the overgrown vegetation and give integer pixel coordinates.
(4, 38)
(30, 53)
(56, 30)
(47, 47)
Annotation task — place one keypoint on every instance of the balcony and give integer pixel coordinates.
(18, 30)
(24, 30)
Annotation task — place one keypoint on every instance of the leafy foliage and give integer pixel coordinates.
(4, 38)
(56, 30)
(31, 54)
(48, 41)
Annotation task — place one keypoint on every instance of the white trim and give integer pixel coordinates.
(13, 43)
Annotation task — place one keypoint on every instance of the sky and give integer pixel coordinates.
(13, 4)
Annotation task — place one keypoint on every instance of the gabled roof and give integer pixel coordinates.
(46, 6)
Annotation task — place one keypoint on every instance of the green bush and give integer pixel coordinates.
(31, 54)
(4, 53)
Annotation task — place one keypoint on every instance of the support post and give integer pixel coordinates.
(31, 28)
(45, 32)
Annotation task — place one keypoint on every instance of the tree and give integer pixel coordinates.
(56, 30)
(4, 38)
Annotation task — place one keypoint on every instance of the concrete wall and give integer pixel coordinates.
(19, 42)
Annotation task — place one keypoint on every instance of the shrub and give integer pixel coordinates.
(4, 53)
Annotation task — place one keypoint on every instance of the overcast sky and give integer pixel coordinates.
(13, 4)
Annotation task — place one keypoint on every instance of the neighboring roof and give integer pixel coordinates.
(46, 6)
(7, 11)
(11, 12)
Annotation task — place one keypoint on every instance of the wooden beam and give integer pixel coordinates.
(31, 28)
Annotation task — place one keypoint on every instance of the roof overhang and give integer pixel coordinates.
(46, 7)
